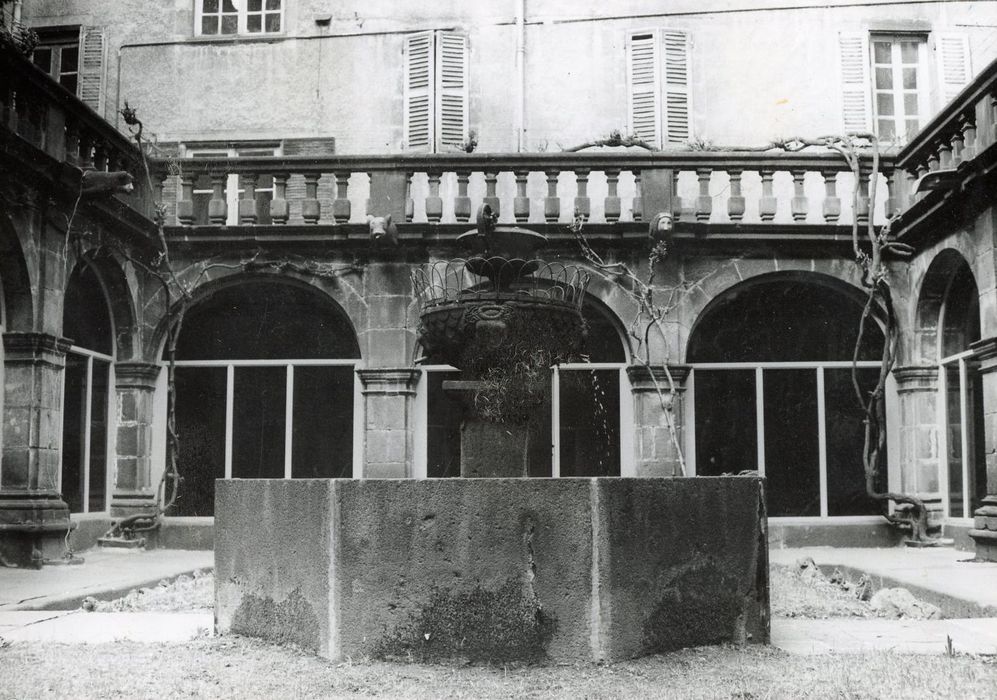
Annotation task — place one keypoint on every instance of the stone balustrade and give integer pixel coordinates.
(44, 115)
(527, 188)
(962, 131)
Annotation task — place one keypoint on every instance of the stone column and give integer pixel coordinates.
(656, 454)
(389, 418)
(135, 385)
(34, 518)
(984, 531)
(917, 398)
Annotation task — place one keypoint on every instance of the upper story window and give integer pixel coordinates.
(436, 91)
(891, 85)
(74, 57)
(659, 95)
(231, 17)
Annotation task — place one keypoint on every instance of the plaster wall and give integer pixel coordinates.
(344, 79)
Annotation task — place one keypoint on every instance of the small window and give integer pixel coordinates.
(898, 85)
(234, 17)
(74, 57)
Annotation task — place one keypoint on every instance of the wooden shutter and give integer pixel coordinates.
(644, 82)
(954, 70)
(451, 90)
(91, 85)
(856, 97)
(678, 105)
(418, 91)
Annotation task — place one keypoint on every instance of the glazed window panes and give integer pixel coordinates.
(897, 85)
(231, 17)
(60, 60)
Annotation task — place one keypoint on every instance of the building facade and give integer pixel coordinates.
(274, 128)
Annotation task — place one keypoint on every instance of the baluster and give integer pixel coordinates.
(583, 206)
(86, 151)
(462, 203)
(831, 208)
(968, 128)
(735, 203)
(611, 204)
(957, 147)
(892, 205)
(521, 204)
(767, 204)
(72, 143)
(311, 208)
(341, 208)
(678, 206)
(434, 203)
(704, 202)
(933, 161)
(279, 208)
(247, 203)
(798, 206)
(409, 202)
(21, 127)
(217, 206)
(922, 170)
(552, 204)
(638, 203)
(185, 205)
(158, 198)
(862, 204)
(100, 156)
(491, 199)
(944, 154)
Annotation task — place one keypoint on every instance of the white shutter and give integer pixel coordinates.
(91, 67)
(451, 90)
(954, 70)
(678, 86)
(418, 91)
(644, 82)
(856, 99)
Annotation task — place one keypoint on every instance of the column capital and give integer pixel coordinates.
(33, 348)
(136, 375)
(986, 352)
(389, 380)
(645, 378)
(916, 378)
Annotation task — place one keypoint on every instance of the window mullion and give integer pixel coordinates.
(760, 419)
(822, 442)
(229, 414)
(941, 426)
(964, 418)
(87, 416)
(288, 421)
(555, 423)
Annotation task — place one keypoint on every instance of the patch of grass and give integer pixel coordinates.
(808, 594)
(234, 667)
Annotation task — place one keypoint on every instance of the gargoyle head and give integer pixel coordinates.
(382, 230)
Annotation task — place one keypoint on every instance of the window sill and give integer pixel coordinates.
(240, 39)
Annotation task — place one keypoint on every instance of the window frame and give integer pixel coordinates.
(242, 15)
(56, 40)
(897, 91)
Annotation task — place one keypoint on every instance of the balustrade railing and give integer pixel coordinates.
(42, 113)
(964, 129)
(527, 188)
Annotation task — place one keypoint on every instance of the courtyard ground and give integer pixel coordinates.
(177, 657)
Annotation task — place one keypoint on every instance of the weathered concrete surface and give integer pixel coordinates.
(493, 569)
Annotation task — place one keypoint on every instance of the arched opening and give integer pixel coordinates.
(264, 388)
(579, 433)
(772, 391)
(949, 322)
(87, 392)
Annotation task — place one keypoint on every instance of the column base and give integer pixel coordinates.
(127, 503)
(33, 528)
(984, 532)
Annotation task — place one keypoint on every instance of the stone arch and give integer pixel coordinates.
(789, 280)
(118, 297)
(338, 303)
(15, 281)
(947, 315)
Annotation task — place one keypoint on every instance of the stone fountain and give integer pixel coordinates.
(504, 318)
(494, 569)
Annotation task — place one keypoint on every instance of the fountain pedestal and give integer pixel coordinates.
(488, 449)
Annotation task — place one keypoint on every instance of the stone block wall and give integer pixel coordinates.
(493, 569)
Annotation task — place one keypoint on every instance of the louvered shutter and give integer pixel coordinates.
(856, 99)
(451, 90)
(954, 70)
(643, 79)
(91, 84)
(418, 92)
(678, 102)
